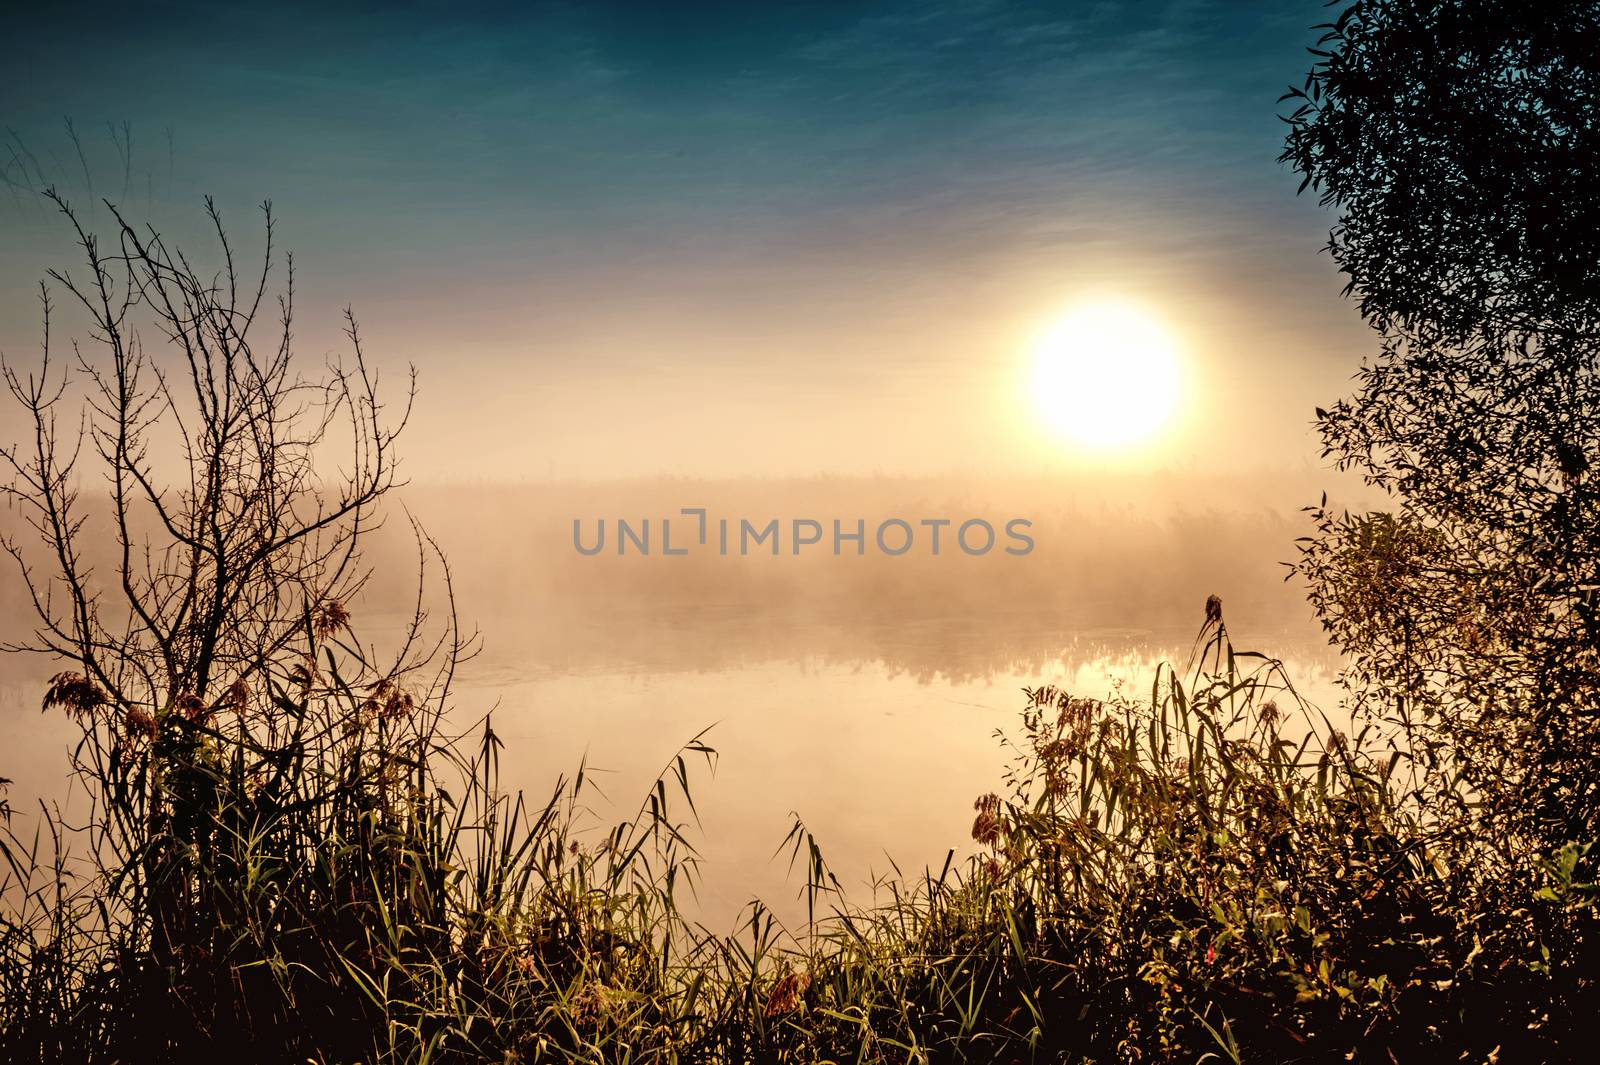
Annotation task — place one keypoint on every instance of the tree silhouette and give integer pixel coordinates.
(1459, 143)
(197, 506)
(216, 571)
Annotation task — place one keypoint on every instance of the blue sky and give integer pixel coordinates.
(723, 207)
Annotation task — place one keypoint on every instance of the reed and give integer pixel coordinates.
(336, 879)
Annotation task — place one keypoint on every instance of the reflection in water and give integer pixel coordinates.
(864, 698)
(879, 735)
(971, 647)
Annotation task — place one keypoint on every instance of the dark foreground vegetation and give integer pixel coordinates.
(1174, 882)
(289, 859)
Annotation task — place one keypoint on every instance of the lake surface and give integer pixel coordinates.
(879, 736)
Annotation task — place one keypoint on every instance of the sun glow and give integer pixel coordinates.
(1106, 375)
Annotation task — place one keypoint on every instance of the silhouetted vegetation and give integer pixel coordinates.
(289, 858)
(1457, 141)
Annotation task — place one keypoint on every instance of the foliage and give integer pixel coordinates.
(1164, 879)
(290, 859)
(1456, 142)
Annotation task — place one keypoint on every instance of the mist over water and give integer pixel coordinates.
(862, 694)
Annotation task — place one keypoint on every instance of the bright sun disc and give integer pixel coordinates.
(1106, 375)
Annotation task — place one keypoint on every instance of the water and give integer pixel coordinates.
(879, 735)
(860, 694)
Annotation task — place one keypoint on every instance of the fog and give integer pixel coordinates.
(861, 693)
(1138, 553)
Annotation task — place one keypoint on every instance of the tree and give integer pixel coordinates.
(1459, 142)
(262, 781)
(214, 574)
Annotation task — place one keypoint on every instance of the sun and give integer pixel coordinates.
(1106, 375)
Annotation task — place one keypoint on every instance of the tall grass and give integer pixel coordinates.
(1207, 872)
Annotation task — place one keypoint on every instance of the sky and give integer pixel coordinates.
(720, 239)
